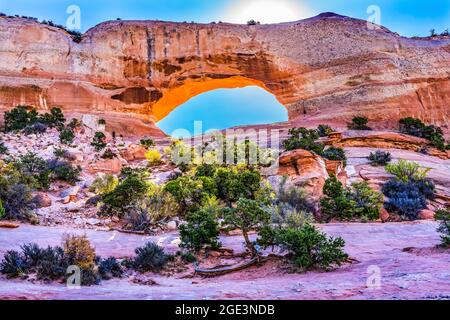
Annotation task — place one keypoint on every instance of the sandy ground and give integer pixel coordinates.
(419, 273)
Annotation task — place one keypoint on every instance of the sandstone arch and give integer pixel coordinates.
(134, 72)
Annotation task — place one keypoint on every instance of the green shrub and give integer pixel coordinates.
(101, 121)
(52, 264)
(35, 169)
(147, 142)
(336, 154)
(201, 230)
(13, 264)
(74, 124)
(153, 157)
(416, 127)
(3, 148)
(443, 216)
(60, 153)
(206, 170)
(15, 194)
(66, 136)
(188, 192)
(324, 130)
(54, 119)
(158, 207)
(2, 210)
(379, 158)
(248, 215)
(151, 257)
(357, 202)
(407, 198)
(109, 268)
(99, 141)
(130, 190)
(359, 123)
(310, 248)
(64, 171)
(407, 171)
(20, 117)
(108, 154)
(302, 138)
(104, 183)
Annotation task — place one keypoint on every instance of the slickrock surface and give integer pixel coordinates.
(135, 72)
(421, 272)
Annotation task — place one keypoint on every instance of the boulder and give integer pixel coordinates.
(112, 166)
(171, 225)
(70, 192)
(134, 152)
(42, 200)
(304, 169)
(426, 214)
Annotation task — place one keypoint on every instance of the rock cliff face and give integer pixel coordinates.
(134, 73)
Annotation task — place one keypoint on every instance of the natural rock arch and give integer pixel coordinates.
(134, 73)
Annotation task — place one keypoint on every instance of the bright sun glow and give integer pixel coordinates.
(266, 11)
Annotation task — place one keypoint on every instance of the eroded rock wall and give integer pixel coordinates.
(136, 72)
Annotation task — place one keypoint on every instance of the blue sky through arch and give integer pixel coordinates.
(225, 108)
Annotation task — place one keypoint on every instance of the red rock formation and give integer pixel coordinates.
(133, 73)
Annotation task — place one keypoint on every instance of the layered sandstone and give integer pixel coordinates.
(134, 73)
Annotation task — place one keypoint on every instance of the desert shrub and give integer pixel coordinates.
(416, 127)
(64, 171)
(54, 119)
(36, 128)
(157, 207)
(302, 138)
(99, 141)
(20, 117)
(74, 124)
(379, 158)
(359, 123)
(205, 170)
(127, 192)
(248, 215)
(252, 22)
(443, 216)
(309, 247)
(108, 154)
(52, 264)
(234, 183)
(293, 198)
(357, 202)
(2, 210)
(15, 194)
(153, 157)
(324, 130)
(109, 268)
(188, 192)
(202, 229)
(147, 142)
(408, 198)
(60, 153)
(407, 171)
(150, 257)
(104, 183)
(3, 148)
(79, 251)
(35, 169)
(13, 265)
(333, 153)
(66, 136)
(126, 172)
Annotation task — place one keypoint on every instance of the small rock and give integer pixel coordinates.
(426, 215)
(73, 207)
(172, 225)
(70, 192)
(93, 221)
(8, 225)
(384, 215)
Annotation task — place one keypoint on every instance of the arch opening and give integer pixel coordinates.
(219, 105)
